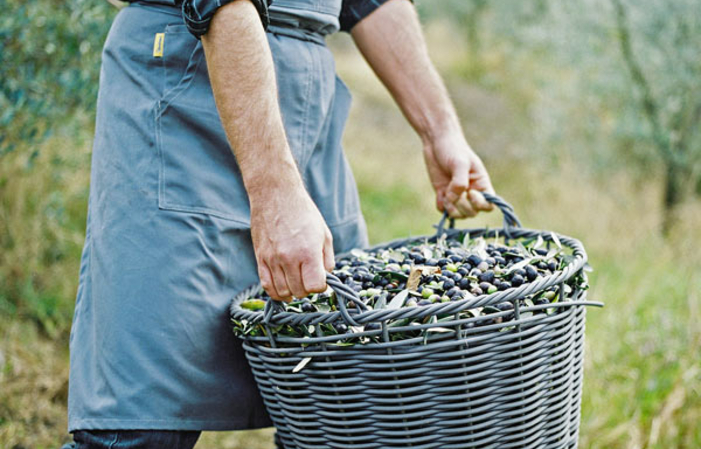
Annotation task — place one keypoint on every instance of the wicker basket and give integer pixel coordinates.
(514, 384)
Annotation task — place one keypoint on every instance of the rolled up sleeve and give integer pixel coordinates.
(353, 11)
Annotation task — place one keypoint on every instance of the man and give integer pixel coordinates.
(217, 163)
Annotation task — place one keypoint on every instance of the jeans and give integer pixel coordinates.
(133, 439)
(137, 439)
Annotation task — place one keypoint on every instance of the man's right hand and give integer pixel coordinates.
(293, 245)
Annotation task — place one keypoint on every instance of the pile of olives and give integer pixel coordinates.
(422, 274)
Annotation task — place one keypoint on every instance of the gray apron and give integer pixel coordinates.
(168, 241)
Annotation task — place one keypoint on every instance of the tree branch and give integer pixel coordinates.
(650, 108)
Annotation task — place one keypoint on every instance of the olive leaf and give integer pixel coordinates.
(300, 366)
(398, 300)
(556, 239)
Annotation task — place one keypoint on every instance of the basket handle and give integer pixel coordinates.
(511, 220)
(343, 293)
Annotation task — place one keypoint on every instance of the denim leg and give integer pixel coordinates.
(133, 439)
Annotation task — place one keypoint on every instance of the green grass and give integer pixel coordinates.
(643, 357)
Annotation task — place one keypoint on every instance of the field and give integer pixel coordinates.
(643, 357)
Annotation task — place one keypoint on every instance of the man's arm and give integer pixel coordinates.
(292, 243)
(392, 42)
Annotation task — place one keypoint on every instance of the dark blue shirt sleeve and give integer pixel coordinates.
(353, 11)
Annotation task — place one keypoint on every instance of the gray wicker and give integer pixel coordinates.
(514, 384)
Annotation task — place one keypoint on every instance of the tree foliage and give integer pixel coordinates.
(50, 65)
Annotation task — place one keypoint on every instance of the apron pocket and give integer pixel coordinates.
(198, 172)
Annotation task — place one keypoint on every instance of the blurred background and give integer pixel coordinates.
(587, 114)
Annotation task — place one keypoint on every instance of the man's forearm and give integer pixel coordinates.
(392, 42)
(242, 75)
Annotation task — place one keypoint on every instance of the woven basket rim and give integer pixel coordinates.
(289, 318)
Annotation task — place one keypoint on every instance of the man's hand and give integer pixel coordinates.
(292, 243)
(294, 248)
(391, 41)
(458, 176)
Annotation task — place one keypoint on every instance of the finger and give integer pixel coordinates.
(266, 280)
(314, 277)
(329, 262)
(453, 211)
(280, 283)
(478, 201)
(465, 207)
(439, 200)
(293, 277)
(480, 178)
(459, 183)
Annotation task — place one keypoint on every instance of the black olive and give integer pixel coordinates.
(474, 260)
(552, 266)
(368, 284)
(432, 262)
(457, 277)
(308, 307)
(485, 286)
(452, 292)
(341, 328)
(542, 265)
(500, 260)
(358, 276)
(383, 282)
(541, 251)
(503, 306)
(372, 327)
(443, 262)
(455, 258)
(490, 260)
(516, 280)
(503, 286)
(448, 284)
(487, 276)
(463, 271)
(464, 283)
(418, 258)
(531, 273)
(518, 272)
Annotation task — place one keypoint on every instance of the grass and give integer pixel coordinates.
(643, 361)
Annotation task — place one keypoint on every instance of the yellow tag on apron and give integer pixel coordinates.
(158, 45)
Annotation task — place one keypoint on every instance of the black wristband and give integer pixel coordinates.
(198, 14)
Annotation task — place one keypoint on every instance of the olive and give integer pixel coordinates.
(462, 271)
(487, 276)
(485, 286)
(500, 260)
(308, 307)
(477, 291)
(464, 283)
(503, 306)
(448, 284)
(541, 251)
(410, 303)
(455, 258)
(418, 258)
(517, 259)
(458, 295)
(491, 261)
(517, 280)
(358, 276)
(383, 282)
(541, 301)
(542, 265)
(341, 328)
(457, 277)
(552, 266)
(476, 272)
(443, 262)
(368, 277)
(368, 284)
(432, 262)
(434, 298)
(452, 292)
(448, 252)
(426, 292)
(474, 260)
(503, 286)
(372, 327)
(531, 273)
(425, 302)
(518, 272)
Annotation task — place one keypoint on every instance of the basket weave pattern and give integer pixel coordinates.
(510, 384)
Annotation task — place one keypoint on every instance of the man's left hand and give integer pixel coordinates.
(457, 175)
